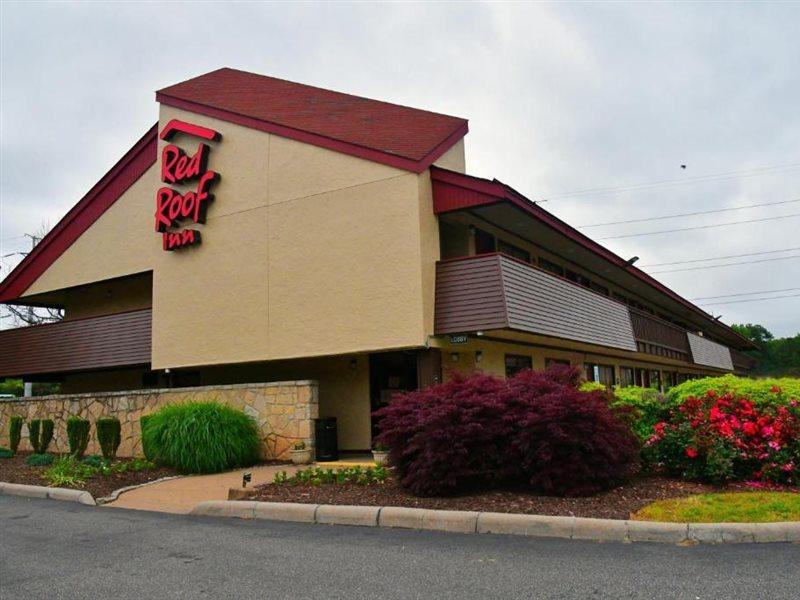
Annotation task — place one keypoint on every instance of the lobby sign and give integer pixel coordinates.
(177, 167)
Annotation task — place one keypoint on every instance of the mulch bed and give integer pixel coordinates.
(618, 503)
(15, 470)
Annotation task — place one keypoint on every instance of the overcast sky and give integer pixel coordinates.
(560, 97)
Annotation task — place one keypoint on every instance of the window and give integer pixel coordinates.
(484, 242)
(551, 266)
(642, 378)
(655, 379)
(512, 250)
(600, 373)
(516, 363)
(626, 378)
(577, 278)
(555, 361)
(599, 288)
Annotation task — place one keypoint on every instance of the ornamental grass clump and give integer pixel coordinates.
(78, 436)
(108, 433)
(201, 437)
(40, 432)
(15, 432)
(719, 438)
(534, 430)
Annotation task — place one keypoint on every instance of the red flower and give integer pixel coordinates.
(691, 452)
(775, 389)
(749, 428)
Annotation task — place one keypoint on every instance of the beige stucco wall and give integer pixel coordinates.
(284, 412)
(306, 252)
(108, 297)
(454, 159)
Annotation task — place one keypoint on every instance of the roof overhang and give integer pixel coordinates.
(104, 193)
(453, 191)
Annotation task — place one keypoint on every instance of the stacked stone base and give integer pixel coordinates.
(284, 411)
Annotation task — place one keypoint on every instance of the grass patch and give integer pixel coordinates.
(730, 507)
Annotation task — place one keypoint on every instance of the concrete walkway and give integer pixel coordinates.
(181, 495)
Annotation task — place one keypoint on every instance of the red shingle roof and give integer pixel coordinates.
(397, 135)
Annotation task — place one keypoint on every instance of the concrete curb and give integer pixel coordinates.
(38, 491)
(574, 528)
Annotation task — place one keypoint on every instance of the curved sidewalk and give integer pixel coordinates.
(181, 495)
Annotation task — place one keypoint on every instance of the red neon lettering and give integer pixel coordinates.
(172, 206)
(178, 126)
(177, 167)
(180, 239)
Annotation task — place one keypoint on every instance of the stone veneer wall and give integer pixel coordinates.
(284, 410)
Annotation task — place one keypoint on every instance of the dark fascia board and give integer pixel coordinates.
(314, 139)
(496, 191)
(81, 216)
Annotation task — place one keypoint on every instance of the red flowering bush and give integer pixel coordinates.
(535, 429)
(728, 438)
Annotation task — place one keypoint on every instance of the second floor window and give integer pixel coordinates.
(512, 250)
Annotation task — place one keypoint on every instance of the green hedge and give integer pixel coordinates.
(108, 436)
(758, 391)
(201, 437)
(649, 405)
(40, 432)
(78, 436)
(15, 432)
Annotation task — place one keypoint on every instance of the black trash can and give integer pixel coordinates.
(327, 439)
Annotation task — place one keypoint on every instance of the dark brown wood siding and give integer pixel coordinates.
(116, 340)
(469, 295)
(656, 336)
(743, 362)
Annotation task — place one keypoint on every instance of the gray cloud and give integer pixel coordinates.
(559, 97)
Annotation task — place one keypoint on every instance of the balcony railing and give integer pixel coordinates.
(495, 291)
(655, 336)
(108, 341)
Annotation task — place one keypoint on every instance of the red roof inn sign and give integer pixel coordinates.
(177, 167)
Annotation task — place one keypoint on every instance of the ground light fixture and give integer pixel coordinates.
(247, 477)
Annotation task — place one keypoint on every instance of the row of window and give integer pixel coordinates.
(606, 374)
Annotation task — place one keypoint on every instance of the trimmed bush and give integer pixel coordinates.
(40, 432)
(148, 454)
(6, 453)
(94, 461)
(448, 437)
(567, 442)
(15, 432)
(773, 391)
(78, 436)
(536, 429)
(108, 433)
(201, 437)
(648, 407)
(40, 460)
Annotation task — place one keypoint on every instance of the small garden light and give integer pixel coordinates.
(247, 477)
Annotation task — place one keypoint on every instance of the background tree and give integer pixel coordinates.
(776, 357)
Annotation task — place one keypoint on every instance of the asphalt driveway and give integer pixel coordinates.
(51, 549)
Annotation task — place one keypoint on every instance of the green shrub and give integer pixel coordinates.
(6, 453)
(40, 460)
(148, 454)
(108, 435)
(15, 432)
(318, 476)
(78, 436)
(201, 437)
(40, 432)
(648, 405)
(94, 461)
(769, 391)
(592, 386)
(68, 472)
